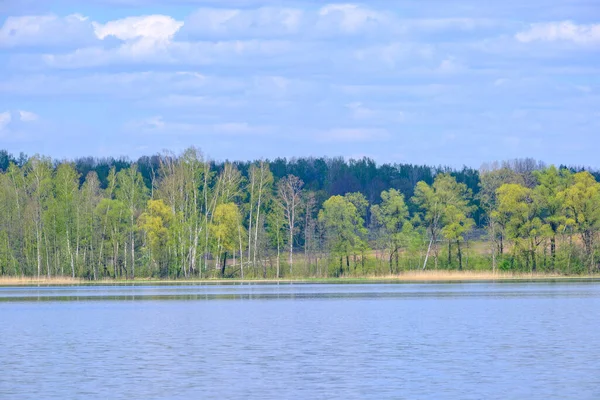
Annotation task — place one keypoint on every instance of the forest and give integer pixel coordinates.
(182, 216)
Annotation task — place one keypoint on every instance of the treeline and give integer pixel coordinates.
(181, 216)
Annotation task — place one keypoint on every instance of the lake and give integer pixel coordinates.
(375, 341)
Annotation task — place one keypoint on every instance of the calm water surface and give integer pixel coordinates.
(401, 341)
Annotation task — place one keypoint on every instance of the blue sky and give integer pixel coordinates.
(434, 81)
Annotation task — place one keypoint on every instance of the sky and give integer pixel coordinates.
(439, 82)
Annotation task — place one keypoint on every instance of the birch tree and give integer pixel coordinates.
(38, 171)
(392, 214)
(132, 192)
(66, 185)
(289, 190)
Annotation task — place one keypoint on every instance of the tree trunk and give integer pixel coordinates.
(291, 248)
(278, 255)
(427, 255)
(70, 255)
(38, 250)
(132, 249)
(260, 189)
(241, 252)
(459, 252)
(278, 259)
(223, 265)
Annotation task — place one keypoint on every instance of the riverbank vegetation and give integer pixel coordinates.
(184, 217)
(418, 276)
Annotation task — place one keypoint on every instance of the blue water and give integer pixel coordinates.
(402, 341)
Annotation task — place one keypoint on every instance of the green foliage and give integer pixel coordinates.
(181, 216)
(446, 206)
(156, 222)
(344, 229)
(581, 204)
(224, 228)
(391, 218)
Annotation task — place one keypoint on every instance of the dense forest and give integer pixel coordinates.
(183, 216)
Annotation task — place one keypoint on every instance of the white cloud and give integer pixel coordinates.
(561, 31)
(28, 116)
(5, 119)
(75, 29)
(164, 40)
(239, 128)
(258, 22)
(180, 101)
(36, 30)
(145, 39)
(381, 114)
(154, 122)
(12, 124)
(351, 18)
(155, 27)
(158, 125)
(331, 19)
(147, 50)
(123, 85)
(442, 24)
(451, 66)
(395, 54)
(359, 111)
(353, 135)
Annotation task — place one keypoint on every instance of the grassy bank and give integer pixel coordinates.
(406, 277)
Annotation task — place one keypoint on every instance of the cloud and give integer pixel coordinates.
(154, 27)
(46, 30)
(451, 66)
(359, 111)
(179, 102)
(167, 52)
(5, 119)
(121, 85)
(351, 18)
(263, 21)
(395, 53)
(13, 125)
(243, 34)
(561, 31)
(239, 128)
(329, 20)
(352, 135)
(158, 125)
(443, 24)
(28, 116)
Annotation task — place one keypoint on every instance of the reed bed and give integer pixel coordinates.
(407, 276)
(442, 275)
(27, 280)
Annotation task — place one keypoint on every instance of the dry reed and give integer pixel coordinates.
(407, 276)
(25, 280)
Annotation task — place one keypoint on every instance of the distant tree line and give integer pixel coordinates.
(182, 216)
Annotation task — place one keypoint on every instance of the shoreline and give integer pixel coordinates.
(423, 277)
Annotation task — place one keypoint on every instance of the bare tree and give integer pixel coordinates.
(290, 192)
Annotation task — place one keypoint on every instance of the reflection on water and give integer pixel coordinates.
(293, 291)
(413, 341)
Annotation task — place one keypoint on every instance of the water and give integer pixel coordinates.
(403, 341)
